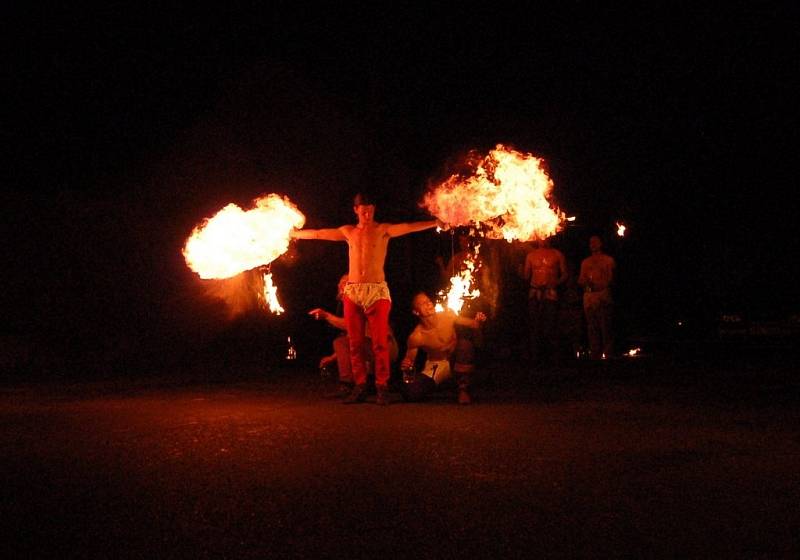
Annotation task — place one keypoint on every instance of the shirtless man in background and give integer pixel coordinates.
(366, 294)
(436, 335)
(596, 278)
(545, 270)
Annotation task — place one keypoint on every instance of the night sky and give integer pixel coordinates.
(123, 128)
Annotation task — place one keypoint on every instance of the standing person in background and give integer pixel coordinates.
(366, 295)
(596, 278)
(545, 270)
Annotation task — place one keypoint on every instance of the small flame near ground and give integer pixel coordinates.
(507, 191)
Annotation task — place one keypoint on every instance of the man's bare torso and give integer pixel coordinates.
(598, 271)
(367, 247)
(439, 340)
(544, 265)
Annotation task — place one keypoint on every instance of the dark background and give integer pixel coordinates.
(125, 127)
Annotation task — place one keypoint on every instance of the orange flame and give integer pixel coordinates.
(508, 191)
(235, 240)
(271, 295)
(621, 229)
(462, 286)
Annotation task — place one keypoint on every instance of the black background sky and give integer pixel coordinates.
(124, 127)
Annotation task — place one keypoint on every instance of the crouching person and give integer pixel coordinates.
(436, 336)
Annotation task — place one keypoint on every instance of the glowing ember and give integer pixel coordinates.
(508, 191)
(633, 352)
(271, 295)
(462, 286)
(621, 229)
(235, 240)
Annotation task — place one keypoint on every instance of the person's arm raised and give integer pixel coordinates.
(475, 323)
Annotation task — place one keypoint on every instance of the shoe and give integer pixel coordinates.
(463, 397)
(382, 398)
(357, 395)
(340, 392)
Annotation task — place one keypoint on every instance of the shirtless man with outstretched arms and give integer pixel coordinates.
(366, 295)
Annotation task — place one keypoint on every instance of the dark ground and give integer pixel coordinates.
(650, 457)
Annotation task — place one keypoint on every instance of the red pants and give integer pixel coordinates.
(356, 320)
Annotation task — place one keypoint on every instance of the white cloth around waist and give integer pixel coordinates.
(365, 294)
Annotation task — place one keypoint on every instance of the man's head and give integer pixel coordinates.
(595, 243)
(364, 206)
(422, 306)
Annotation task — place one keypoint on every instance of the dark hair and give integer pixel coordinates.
(363, 198)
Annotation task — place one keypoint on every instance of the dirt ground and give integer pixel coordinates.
(646, 458)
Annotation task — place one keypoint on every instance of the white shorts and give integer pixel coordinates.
(438, 370)
(364, 294)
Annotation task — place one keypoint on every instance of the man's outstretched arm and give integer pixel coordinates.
(329, 234)
(396, 230)
(475, 323)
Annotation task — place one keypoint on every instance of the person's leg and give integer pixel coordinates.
(593, 332)
(341, 347)
(464, 367)
(605, 313)
(534, 329)
(378, 317)
(550, 330)
(355, 323)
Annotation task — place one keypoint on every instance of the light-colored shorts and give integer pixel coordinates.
(438, 370)
(364, 294)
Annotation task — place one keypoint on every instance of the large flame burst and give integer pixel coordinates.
(507, 192)
(235, 240)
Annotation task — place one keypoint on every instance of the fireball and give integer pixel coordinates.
(507, 191)
(235, 240)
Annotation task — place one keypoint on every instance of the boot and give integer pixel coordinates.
(382, 398)
(357, 395)
(340, 392)
(463, 390)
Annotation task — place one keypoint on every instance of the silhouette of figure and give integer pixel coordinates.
(545, 270)
(596, 279)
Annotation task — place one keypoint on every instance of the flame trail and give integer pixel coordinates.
(462, 286)
(271, 295)
(508, 191)
(235, 240)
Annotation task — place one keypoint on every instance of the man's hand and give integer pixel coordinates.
(406, 363)
(480, 317)
(318, 313)
(327, 360)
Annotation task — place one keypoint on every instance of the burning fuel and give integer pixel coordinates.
(235, 240)
(507, 192)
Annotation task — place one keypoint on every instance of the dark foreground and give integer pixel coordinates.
(644, 457)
